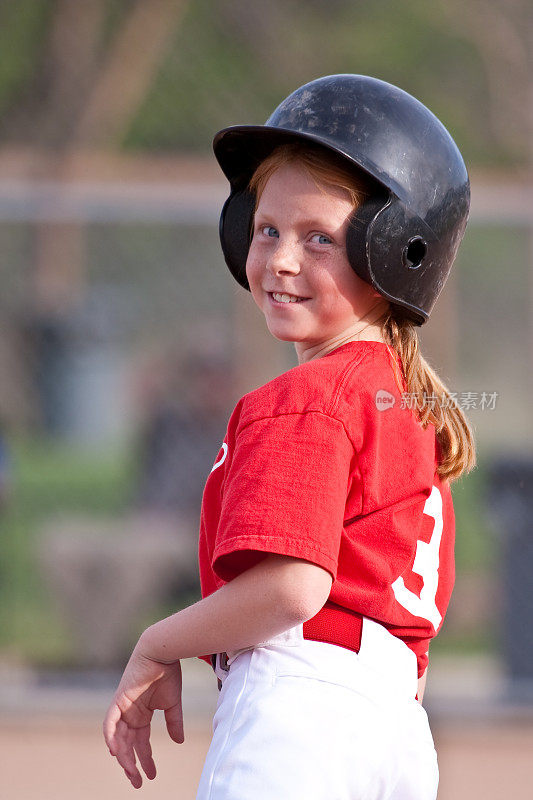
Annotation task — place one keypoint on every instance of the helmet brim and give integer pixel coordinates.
(240, 149)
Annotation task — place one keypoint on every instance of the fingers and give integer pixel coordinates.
(144, 752)
(127, 729)
(110, 727)
(174, 720)
(125, 754)
(123, 741)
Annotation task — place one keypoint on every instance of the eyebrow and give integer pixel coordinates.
(268, 215)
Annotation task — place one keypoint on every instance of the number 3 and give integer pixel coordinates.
(426, 564)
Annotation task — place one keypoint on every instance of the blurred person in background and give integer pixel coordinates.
(184, 412)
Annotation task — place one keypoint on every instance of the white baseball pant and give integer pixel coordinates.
(305, 720)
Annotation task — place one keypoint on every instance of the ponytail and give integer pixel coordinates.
(431, 399)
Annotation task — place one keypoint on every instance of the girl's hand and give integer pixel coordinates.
(145, 686)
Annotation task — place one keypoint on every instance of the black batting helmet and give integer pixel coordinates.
(406, 236)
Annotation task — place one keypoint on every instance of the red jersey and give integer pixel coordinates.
(326, 463)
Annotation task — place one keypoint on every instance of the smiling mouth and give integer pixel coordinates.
(281, 297)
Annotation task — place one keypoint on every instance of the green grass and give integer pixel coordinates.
(21, 41)
(49, 479)
(475, 545)
(480, 641)
(52, 476)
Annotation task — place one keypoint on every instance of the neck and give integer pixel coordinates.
(306, 352)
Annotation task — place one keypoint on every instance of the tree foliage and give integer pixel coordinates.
(223, 62)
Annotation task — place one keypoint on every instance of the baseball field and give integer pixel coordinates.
(52, 748)
(58, 757)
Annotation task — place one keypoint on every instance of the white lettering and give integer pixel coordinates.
(222, 457)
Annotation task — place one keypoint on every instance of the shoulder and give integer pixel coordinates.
(376, 384)
(328, 385)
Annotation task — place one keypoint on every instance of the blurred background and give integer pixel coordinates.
(125, 344)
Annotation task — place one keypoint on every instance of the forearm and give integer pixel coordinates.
(267, 599)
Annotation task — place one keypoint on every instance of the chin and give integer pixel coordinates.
(285, 335)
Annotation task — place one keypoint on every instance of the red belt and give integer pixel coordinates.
(335, 625)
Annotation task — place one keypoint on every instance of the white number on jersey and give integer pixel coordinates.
(426, 564)
(222, 458)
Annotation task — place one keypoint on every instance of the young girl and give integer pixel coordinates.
(327, 532)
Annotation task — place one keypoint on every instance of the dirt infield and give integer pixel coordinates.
(54, 758)
(485, 760)
(52, 748)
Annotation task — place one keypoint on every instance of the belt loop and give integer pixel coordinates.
(219, 661)
(223, 661)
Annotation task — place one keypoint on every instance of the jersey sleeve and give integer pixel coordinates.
(284, 493)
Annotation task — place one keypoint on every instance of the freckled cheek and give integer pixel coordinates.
(346, 287)
(335, 302)
(254, 272)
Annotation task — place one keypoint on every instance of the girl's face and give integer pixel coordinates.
(298, 270)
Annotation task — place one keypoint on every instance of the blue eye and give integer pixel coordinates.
(320, 238)
(268, 230)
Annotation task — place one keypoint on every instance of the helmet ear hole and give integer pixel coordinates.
(414, 252)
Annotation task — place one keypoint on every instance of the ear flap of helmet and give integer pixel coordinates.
(399, 255)
(356, 237)
(408, 261)
(359, 243)
(235, 229)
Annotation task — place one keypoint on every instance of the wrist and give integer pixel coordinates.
(152, 644)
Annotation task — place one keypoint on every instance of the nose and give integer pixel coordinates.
(285, 258)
